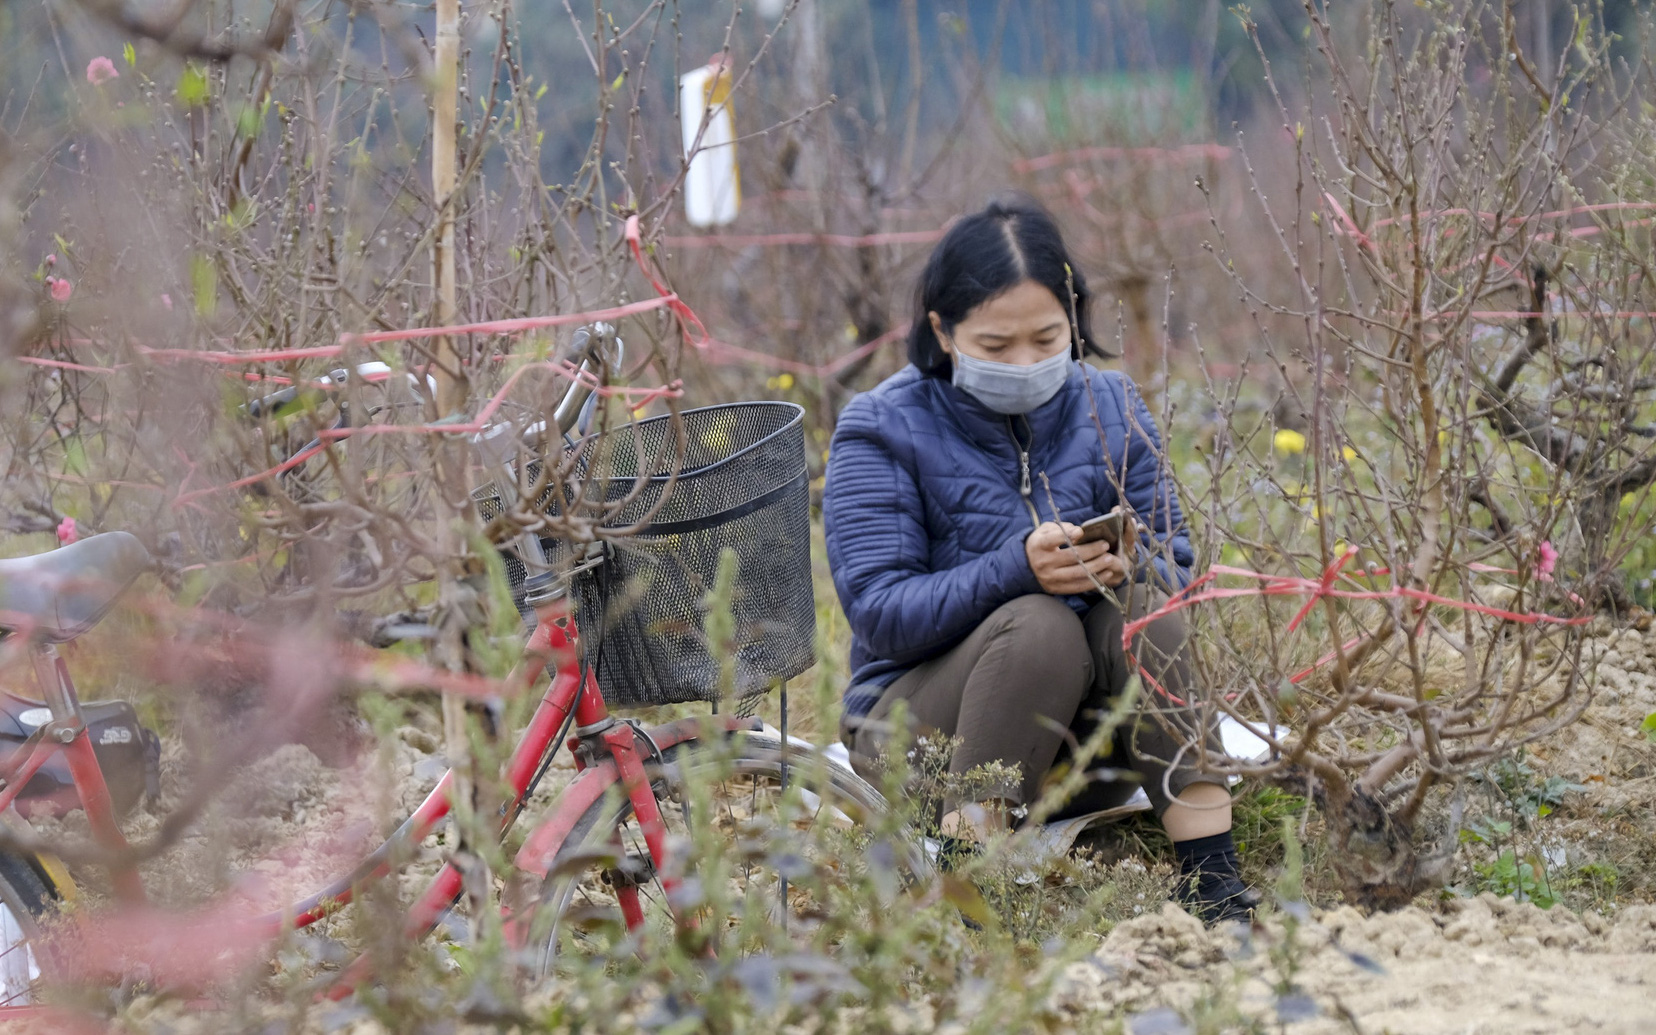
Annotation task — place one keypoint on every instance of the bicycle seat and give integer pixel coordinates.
(57, 596)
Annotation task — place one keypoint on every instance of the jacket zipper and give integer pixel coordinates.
(1026, 488)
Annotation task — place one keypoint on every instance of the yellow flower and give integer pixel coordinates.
(1349, 453)
(1288, 442)
(784, 381)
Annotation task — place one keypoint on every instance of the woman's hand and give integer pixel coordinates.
(1063, 569)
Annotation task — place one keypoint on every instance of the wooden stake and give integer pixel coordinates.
(451, 382)
(445, 114)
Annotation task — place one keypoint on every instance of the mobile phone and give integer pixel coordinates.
(1105, 527)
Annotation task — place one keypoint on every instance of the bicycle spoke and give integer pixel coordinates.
(18, 967)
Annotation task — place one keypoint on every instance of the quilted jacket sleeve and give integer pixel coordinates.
(879, 551)
(1150, 493)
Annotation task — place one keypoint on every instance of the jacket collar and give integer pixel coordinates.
(988, 429)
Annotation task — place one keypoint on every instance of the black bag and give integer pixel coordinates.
(129, 754)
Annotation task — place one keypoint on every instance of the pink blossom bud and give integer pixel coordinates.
(166, 301)
(1549, 557)
(100, 71)
(61, 289)
(51, 260)
(67, 532)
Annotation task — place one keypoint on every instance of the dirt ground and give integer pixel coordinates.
(1482, 966)
(1452, 966)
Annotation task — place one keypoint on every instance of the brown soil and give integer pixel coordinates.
(1607, 750)
(1472, 967)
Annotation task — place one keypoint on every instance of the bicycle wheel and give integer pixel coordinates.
(24, 901)
(803, 842)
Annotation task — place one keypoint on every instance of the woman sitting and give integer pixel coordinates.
(954, 499)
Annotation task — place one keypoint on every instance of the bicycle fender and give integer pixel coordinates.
(547, 839)
(49, 867)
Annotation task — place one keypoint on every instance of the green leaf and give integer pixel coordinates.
(193, 587)
(192, 86)
(249, 121)
(204, 284)
(1649, 727)
(964, 896)
(74, 456)
(131, 56)
(240, 215)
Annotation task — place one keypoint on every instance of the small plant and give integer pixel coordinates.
(1529, 796)
(1522, 798)
(1524, 879)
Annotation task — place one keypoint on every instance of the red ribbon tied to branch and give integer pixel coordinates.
(1203, 589)
(687, 317)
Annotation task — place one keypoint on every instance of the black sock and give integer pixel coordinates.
(1208, 869)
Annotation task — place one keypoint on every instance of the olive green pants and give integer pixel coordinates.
(1035, 669)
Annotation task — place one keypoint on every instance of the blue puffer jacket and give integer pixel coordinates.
(930, 496)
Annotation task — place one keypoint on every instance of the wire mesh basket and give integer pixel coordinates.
(740, 485)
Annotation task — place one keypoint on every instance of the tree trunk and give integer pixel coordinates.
(1376, 857)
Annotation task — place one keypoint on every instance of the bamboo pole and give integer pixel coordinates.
(451, 391)
(445, 113)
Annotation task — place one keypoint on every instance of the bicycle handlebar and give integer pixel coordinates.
(595, 350)
(598, 352)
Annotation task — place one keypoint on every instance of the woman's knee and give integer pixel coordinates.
(1045, 637)
(1167, 633)
(1163, 643)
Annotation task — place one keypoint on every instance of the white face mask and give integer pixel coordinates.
(1008, 387)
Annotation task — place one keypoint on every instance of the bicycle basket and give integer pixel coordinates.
(740, 485)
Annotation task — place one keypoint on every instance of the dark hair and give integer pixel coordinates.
(1013, 240)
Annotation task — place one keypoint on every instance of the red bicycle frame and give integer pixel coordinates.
(612, 757)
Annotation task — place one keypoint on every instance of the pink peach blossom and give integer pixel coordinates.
(61, 289)
(1549, 557)
(166, 300)
(67, 532)
(100, 71)
(51, 260)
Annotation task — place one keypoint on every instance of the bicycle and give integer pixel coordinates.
(604, 843)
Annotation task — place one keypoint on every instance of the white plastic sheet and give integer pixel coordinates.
(712, 186)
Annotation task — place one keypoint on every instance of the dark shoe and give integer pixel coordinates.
(1214, 905)
(955, 852)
